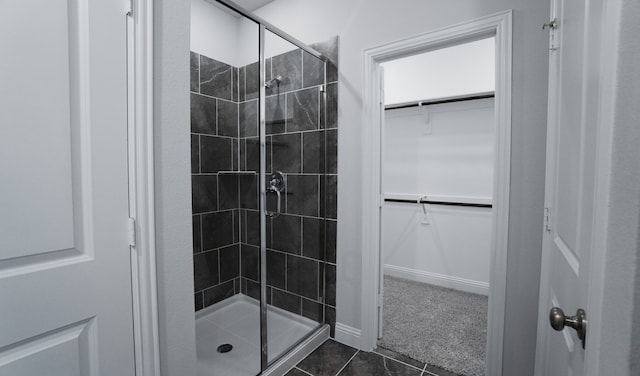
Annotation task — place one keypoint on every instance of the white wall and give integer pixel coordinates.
(443, 151)
(463, 69)
(362, 24)
(176, 321)
(222, 34)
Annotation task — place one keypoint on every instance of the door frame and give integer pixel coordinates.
(498, 25)
(139, 22)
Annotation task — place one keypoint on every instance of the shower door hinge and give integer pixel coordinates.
(323, 89)
(547, 219)
(131, 232)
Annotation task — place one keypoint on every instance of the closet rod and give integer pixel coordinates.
(438, 203)
(460, 98)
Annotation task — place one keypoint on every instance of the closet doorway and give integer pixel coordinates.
(433, 290)
(437, 184)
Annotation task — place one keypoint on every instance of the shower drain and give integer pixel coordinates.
(225, 348)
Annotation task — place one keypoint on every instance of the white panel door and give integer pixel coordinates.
(571, 173)
(65, 277)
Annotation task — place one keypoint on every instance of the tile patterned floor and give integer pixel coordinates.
(336, 359)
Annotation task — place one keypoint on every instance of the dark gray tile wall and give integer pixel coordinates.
(301, 143)
(215, 196)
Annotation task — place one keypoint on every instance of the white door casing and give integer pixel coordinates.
(65, 274)
(572, 171)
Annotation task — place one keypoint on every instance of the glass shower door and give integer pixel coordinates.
(294, 157)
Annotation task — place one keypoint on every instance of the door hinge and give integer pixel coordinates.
(547, 219)
(132, 232)
(552, 26)
(381, 201)
(128, 8)
(379, 300)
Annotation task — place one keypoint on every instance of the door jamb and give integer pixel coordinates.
(139, 20)
(500, 26)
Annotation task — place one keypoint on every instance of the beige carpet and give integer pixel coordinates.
(439, 326)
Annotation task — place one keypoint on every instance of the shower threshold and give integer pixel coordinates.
(236, 322)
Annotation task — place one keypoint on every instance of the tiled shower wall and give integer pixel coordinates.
(301, 143)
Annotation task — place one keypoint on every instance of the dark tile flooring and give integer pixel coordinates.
(333, 358)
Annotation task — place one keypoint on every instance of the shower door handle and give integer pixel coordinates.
(276, 185)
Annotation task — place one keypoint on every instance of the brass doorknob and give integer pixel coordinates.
(558, 321)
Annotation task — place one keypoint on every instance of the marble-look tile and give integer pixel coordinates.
(204, 193)
(331, 141)
(399, 357)
(276, 269)
(286, 235)
(330, 239)
(219, 293)
(302, 195)
(330, 193)
(228, 192)
(330, 319)
(302, 276)
(215, 78)
(286, 153)
(252, 81)
(250, 259)
(203, 114)
(330, 284)
(249, 192)
(327, 359)
(198, 300)
(248, 123)
(302, 110)
(227, 118)
(250, 154)
(332, 107)
(330, 48)
(284, 300)
(215, 154)
(195, 72)
(369, 363)
(229, 262)
(235, 79)
(197, 234)
(289, 66)
(217, 229)
(312, 310)
(313, 152)
(313, 70)
(195, 154)
(275, 120)
(313, 233)
(206, 270)
(296, 372)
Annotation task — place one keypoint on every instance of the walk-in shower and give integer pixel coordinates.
(263, 139)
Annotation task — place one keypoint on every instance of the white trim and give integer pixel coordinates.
(142, 199)
(348, 335)
(499, 25)
(301, 351)
(456, 283)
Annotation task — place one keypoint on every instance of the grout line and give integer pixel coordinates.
(346, 364)
(303, 371)
(400, 361)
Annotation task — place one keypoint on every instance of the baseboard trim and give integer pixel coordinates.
(455, 283)
(348, 335)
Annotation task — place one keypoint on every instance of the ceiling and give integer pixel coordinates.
(252, 5)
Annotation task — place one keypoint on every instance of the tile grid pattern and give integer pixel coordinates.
(335, 359)
(302, 143)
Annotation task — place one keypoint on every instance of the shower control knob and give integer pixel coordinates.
(558, 321)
